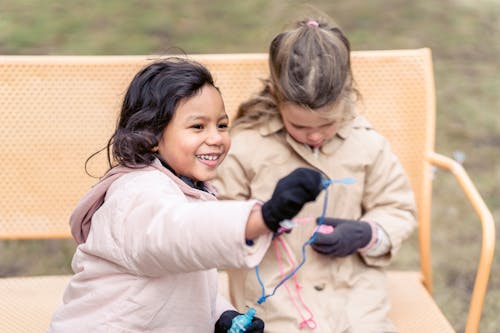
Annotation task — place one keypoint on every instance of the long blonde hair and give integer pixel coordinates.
(309, 66)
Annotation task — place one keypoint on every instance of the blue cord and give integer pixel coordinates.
(325, 183)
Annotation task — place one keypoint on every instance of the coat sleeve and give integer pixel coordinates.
(388, 200)
(164, 232)
(233, 179)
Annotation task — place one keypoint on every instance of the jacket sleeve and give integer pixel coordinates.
(222, 305)
(164, 232)
(388, 200)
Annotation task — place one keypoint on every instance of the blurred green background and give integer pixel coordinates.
(464, 36)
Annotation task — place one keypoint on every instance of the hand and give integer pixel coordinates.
(290, 194)
(347, 237)
(226, 319)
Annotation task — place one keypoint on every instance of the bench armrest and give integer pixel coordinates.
(488, 236)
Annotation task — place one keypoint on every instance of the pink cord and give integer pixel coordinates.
(309, 322)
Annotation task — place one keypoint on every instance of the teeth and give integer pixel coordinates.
(209, 157)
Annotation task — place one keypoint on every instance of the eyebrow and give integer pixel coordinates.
(325, 124)
(202, 117)
(195, 118)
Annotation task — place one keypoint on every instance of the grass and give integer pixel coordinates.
(463, 35)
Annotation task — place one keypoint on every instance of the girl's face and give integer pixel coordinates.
(312, 128)
(196, 140)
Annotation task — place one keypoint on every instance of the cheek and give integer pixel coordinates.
(330, 132)
(298, 135)
(173, 151)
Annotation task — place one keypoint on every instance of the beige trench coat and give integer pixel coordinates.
(343, 294)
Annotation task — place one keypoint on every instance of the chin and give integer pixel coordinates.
(206, 176)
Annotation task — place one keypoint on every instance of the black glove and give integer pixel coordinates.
(290, 194)
(346, 238)
(226, 319)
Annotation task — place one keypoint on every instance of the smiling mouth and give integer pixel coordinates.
(209, 157)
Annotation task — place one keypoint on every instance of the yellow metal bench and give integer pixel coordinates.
(57, 110)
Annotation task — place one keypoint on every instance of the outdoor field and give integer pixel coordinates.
(464, 36)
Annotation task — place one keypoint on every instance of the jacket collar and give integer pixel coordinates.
(202, 186)
(275, 125)
(186, 185)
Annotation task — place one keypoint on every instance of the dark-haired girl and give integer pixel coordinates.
(150, 233)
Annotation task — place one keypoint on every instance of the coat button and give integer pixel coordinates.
(319, 287)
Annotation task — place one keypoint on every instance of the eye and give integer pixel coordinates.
(223, 125)
(198, 126)
(333, 123)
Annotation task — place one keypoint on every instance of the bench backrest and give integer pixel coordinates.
(57, 110)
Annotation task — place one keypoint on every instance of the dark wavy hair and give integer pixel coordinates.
(148, 106)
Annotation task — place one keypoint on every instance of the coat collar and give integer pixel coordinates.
(275, 125)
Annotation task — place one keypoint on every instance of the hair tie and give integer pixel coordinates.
(313, 23)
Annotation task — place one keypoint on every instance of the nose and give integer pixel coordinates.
(214, 137)
(315, 137)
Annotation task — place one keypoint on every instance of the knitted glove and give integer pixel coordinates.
(347, 237)
(226, 319)
(290, 194)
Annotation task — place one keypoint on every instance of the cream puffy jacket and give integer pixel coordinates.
(149, 262)
(343, 294)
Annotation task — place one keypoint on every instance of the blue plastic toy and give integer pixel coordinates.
(242, 322)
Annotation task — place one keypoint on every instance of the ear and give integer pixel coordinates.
(270, 88)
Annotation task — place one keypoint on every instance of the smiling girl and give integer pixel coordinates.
(150, 233)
